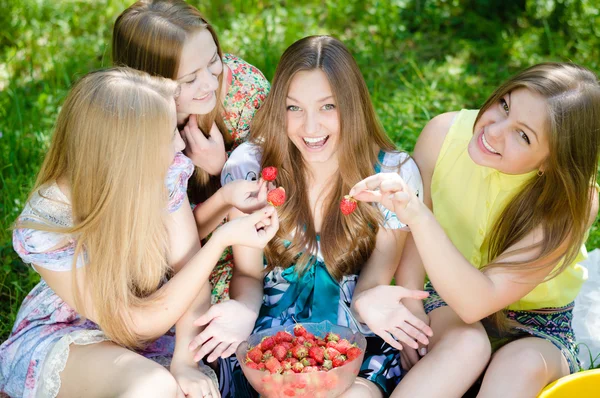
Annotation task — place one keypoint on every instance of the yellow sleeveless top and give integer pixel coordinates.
(467, 199)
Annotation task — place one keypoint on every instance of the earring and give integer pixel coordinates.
(540, 173)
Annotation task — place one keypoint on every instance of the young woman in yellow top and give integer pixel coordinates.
(512, 191)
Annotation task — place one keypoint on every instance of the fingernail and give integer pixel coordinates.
(423, 351)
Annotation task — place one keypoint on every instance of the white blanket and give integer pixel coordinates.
(586, 315)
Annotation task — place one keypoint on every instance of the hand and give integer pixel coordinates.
(410, 356)
(254, 230)
(380, 308)
(206, 153)
(229, 323)
(193, 383)
(246, 196)
(392, 192)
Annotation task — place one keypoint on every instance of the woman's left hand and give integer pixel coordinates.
(193, 383)
(393, 193)
(246, 196)
(208, 153)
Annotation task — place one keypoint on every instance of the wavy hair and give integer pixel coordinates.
(149, 36)
(346, 241)
(112, 143)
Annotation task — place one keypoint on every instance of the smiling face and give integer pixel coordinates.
(199, 69)
(511, 136)
(312, 117)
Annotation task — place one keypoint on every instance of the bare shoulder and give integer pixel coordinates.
(432, 137)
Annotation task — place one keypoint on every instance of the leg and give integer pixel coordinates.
(523, 368)
(457, 355)
(108, 370)
(362, 388)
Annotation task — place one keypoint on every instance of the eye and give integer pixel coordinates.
(524, 137)
(504, 105)
(293, 108)
(191, 81)
(215, 59)
(328, 107)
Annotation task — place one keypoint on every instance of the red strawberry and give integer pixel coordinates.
(299, 330)
(280, 352)
(299, 351)
(255, 355)
(298, 367)
(269, 173)
(332, 337)
(252, 365)
(338, 361)
(321, 343)
(261, 366)
(353, 353)
(317, 353)
(311, 361)
(343, 345)
(300, 340)
(348, 205)
(310, 369)
(282, 336)
(266, 355)
(331, 353)
(267, 343)
(273, 365)
(276, 197)
(309, 336)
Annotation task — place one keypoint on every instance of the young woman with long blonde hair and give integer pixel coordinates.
(219, 95)
(319, 128)
(107, 223)
(512, 187)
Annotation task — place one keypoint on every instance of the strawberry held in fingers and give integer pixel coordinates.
(348, 205)
(276, 197)
(269, 173)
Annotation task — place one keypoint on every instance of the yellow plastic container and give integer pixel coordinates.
(578, 385)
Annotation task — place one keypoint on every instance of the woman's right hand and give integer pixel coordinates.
(246, 196)
(383, 312)
(208, 153)
(254, 230)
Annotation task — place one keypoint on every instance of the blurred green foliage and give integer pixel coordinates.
(419, 58)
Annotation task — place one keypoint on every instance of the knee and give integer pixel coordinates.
(526, 363)
(156, 382)
(471, 341)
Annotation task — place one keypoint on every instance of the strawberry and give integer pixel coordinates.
(299, 330)
(298, 367)
(343, 345)
(261, 366)
(269, 173)
(317, 353)
(287, 345)
(327, 364)
(267, 343)
(280, 352)
(273, 365)
(288, 372)
(255, 354)
(331, 353)
(276, 197)
(299, 351)
(332, 337)
(309, 336)
(353, 353)
(348, 205)
(321, 343)
(300, 340)
(252, 365)
(310, 369)
(306, 362)
(338, 361)
(266, 355)
(282, 336)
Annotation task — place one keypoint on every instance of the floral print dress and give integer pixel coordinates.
(35, 353)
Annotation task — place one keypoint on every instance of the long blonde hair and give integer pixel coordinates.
(346, 241)
(112, 142)
(149, 36)
(559, 201)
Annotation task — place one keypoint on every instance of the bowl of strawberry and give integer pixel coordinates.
(317, 360)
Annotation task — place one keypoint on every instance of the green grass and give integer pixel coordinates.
(419, 58)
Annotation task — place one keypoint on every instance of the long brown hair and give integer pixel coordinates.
(346, 241)
(112, 143)
(149, 36)
(559, 201)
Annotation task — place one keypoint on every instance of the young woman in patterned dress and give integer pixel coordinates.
(311, 127)
(107, 222)
(219, 94)
(512, 187)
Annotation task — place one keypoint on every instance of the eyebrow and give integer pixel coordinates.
(522, 123)
(191, 73)
(319, 100)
